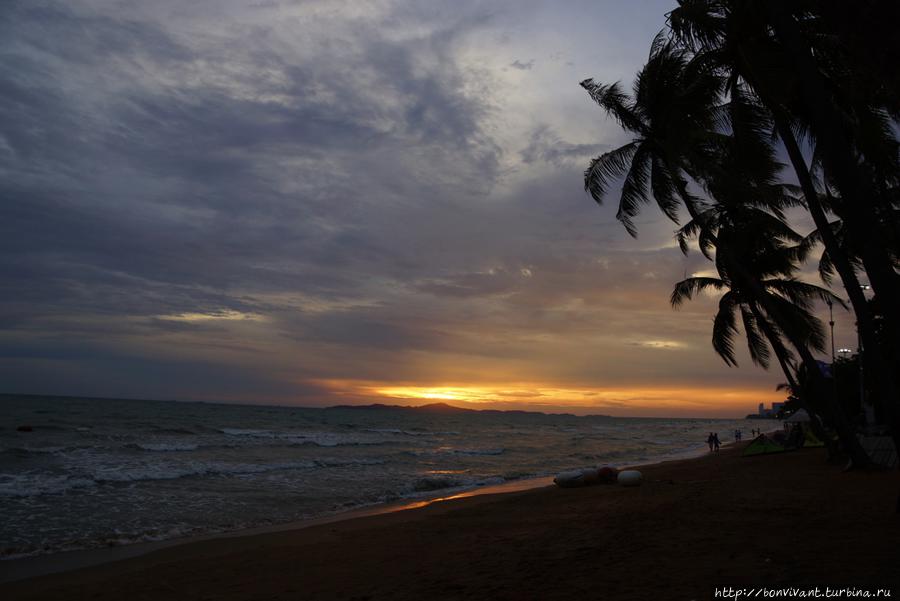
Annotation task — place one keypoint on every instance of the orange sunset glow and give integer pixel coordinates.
(649, 402)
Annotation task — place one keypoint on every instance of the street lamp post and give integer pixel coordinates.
(834, 381)
(862, 385)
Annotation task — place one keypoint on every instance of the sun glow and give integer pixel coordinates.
(467, 395)
(536, 397)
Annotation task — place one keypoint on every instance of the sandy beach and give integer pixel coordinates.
(722, 520)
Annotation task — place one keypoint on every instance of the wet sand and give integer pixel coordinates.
(788, 520)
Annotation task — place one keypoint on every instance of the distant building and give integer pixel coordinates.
(771, 413)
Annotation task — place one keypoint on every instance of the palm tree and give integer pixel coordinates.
(671, 117)
(774, 308)
(683, 126)
(767, 45)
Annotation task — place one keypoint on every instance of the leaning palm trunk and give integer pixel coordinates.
(884, 380)
(860, 217)
(858, 196)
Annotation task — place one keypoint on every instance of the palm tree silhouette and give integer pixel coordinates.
(803, 63)
(772, 304)
(671, 116)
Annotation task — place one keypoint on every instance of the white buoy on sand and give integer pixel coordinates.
(630, 478)
(570, 479)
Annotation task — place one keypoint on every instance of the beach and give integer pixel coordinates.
(720, 520)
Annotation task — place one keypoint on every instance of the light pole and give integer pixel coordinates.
(834, 381)
(831, 324)
(862, 385)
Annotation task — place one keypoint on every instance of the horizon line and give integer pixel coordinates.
(245, 403)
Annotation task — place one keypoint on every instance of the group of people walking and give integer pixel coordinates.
(713, 441)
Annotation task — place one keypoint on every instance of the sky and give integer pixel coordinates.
(321, 202)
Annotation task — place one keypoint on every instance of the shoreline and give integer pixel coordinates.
(716, 520)
(17, 569)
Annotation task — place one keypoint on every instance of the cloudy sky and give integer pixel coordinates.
(320, 202)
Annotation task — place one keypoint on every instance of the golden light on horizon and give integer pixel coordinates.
(620, 400)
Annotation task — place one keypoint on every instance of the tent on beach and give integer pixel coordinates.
(763, 445)
(798, 417)
(803, 418)
(810, 439)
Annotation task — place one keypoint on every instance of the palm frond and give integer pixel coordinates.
(756, 341)
(634, 189)
(687, 289)
(607, 167)
(802, 293)
(725, 329)
(615, 102)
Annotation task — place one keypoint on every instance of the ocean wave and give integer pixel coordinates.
(184, 431)
(36, 484)
(250, 433)
(38, 450)
(175, 472)
(347, 462)
(320, 439)
(33, 485)
(451, 451)
(498, 451)
(428, 484)
(48, 450)
(397, 432)
(163, 447)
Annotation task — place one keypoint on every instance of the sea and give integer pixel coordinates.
(101, 472)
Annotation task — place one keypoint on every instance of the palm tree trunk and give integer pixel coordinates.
(857, 193)
(883, 372)
(860, 216)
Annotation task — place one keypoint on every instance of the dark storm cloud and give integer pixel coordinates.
(138, 198)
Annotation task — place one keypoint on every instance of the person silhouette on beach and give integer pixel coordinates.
(715, 441)
(711, 439)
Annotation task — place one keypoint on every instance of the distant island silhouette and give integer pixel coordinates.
(444, 408)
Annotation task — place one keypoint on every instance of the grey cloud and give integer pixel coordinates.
(547, 146)
(522, 66)
(174, 186)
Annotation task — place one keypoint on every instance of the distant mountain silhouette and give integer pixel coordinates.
(444, 408)
(430, 408)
